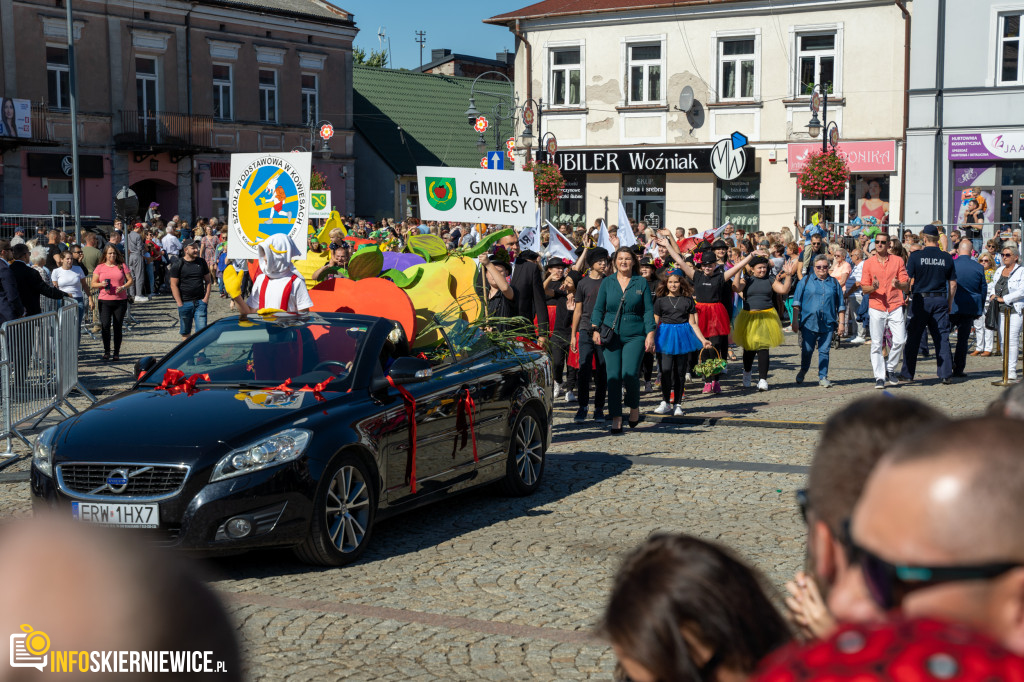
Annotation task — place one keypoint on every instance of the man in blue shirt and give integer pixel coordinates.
(933, 286)
(818, 308)
(968, 302)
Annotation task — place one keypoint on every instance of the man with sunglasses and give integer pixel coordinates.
(933, 280)
(937, 531)
(884, 279)
(968, 303)
(819, 311)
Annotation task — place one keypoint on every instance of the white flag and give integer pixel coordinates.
(625, 234)
(529, 238)
(603, 240)
(559, 246)
(712, 235)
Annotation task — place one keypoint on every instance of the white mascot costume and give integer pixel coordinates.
(279, 286)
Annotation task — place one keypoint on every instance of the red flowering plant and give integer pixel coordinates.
(547, 181)
(318, 180)
(824, 174)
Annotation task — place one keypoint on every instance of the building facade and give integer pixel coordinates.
(443, 62)
(965, 140)
(166, 91)
(608, 78)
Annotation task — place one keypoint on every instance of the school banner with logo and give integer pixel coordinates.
(476, 195)
(320, 204)
(269, 195)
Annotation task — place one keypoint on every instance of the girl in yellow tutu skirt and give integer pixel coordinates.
(758, 327)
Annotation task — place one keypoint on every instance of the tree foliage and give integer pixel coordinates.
(377, 58)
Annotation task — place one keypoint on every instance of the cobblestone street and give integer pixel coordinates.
(488, 587)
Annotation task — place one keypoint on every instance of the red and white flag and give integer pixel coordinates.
(712, 235)
(559, 246)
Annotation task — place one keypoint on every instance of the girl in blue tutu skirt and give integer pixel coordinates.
(678, 335)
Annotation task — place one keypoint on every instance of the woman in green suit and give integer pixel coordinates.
(634, 333)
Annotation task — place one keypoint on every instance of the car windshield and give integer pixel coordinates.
(270, 353)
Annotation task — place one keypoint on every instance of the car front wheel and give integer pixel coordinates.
(343, 514)
(526, 455)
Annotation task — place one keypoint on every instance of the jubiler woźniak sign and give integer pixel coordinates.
(475, 195)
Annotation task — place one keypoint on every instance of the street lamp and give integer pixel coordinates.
(814, 127)
(506, 109)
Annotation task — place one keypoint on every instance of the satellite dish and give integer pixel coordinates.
(686, 99)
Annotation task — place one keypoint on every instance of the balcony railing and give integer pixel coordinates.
(165, 130)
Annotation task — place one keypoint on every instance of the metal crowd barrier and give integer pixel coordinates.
(38, 371)
(9, 222)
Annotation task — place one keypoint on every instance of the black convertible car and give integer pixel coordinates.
(295, 431)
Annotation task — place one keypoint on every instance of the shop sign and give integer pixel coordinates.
(574, 188)
(60, 166)
(476, 196)
(988, 146)
(867, 156)
(641, 160)
(643, 185)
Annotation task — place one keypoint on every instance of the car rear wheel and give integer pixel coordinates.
(526, 455)
(343, 514)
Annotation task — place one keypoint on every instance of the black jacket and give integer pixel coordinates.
(527, 284)
(10, 302)
(31, 286)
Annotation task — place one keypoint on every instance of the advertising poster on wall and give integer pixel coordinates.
(870, 198)
(974, 199)
(269, 194)
(15, 117)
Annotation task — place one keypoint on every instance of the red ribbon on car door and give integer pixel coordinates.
(410, 413)
(467, 406)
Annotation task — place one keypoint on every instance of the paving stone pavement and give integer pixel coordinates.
(488, 587)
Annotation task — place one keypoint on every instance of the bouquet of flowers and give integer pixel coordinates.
(825, 174)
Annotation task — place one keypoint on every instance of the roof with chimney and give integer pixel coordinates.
(442, 56)
(307, 9)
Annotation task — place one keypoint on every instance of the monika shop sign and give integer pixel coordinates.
(641, 160)
(987, 146)
(864, 156)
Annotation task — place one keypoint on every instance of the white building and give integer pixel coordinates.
(610, 74)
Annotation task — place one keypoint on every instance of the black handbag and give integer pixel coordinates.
(993, 315)
(607, 333)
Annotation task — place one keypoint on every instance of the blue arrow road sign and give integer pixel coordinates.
(495, 161)
(739, 140)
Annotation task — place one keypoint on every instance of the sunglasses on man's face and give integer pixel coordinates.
(890, 583)
(1008, 255)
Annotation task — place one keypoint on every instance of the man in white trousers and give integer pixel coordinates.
(884, 279)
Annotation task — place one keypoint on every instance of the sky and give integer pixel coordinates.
(453, 24)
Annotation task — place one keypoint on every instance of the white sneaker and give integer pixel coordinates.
(141, 299)
(746, 380)
(570, 396)
(857, 339)
(558, 390)
(678, 412)
(762, 385)
(664, 408)
(688, 378)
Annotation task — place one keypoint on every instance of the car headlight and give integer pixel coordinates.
(42, 451)
(277, 449)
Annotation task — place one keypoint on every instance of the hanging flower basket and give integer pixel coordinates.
(318, 180)
(825, 174)
(547, 181)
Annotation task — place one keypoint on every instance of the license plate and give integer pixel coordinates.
(117, 515)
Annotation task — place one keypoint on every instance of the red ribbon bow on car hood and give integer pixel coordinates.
(175, 382)
(316, 390)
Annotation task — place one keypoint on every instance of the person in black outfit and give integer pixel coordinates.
(10, 300)
(528, 286)
(582, 340)
(648, 271)
(557, 290)
(30, 285)
(758, 327)
(500, 296)
(933, 288)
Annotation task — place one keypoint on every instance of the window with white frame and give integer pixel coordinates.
(310, 99)
(1011, 57)
(736, 72)
(58, 77)
(146, 82)
(268, 95)
(222, 91)
(815, 62)
(60, 196)
(220, 198)
(644, 69)
(566, 76)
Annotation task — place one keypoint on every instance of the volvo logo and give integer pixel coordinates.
(117, 481)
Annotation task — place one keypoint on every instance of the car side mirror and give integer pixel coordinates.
(410, 370)
(143, 365)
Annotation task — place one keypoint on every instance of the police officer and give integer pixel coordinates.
(933, 286)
